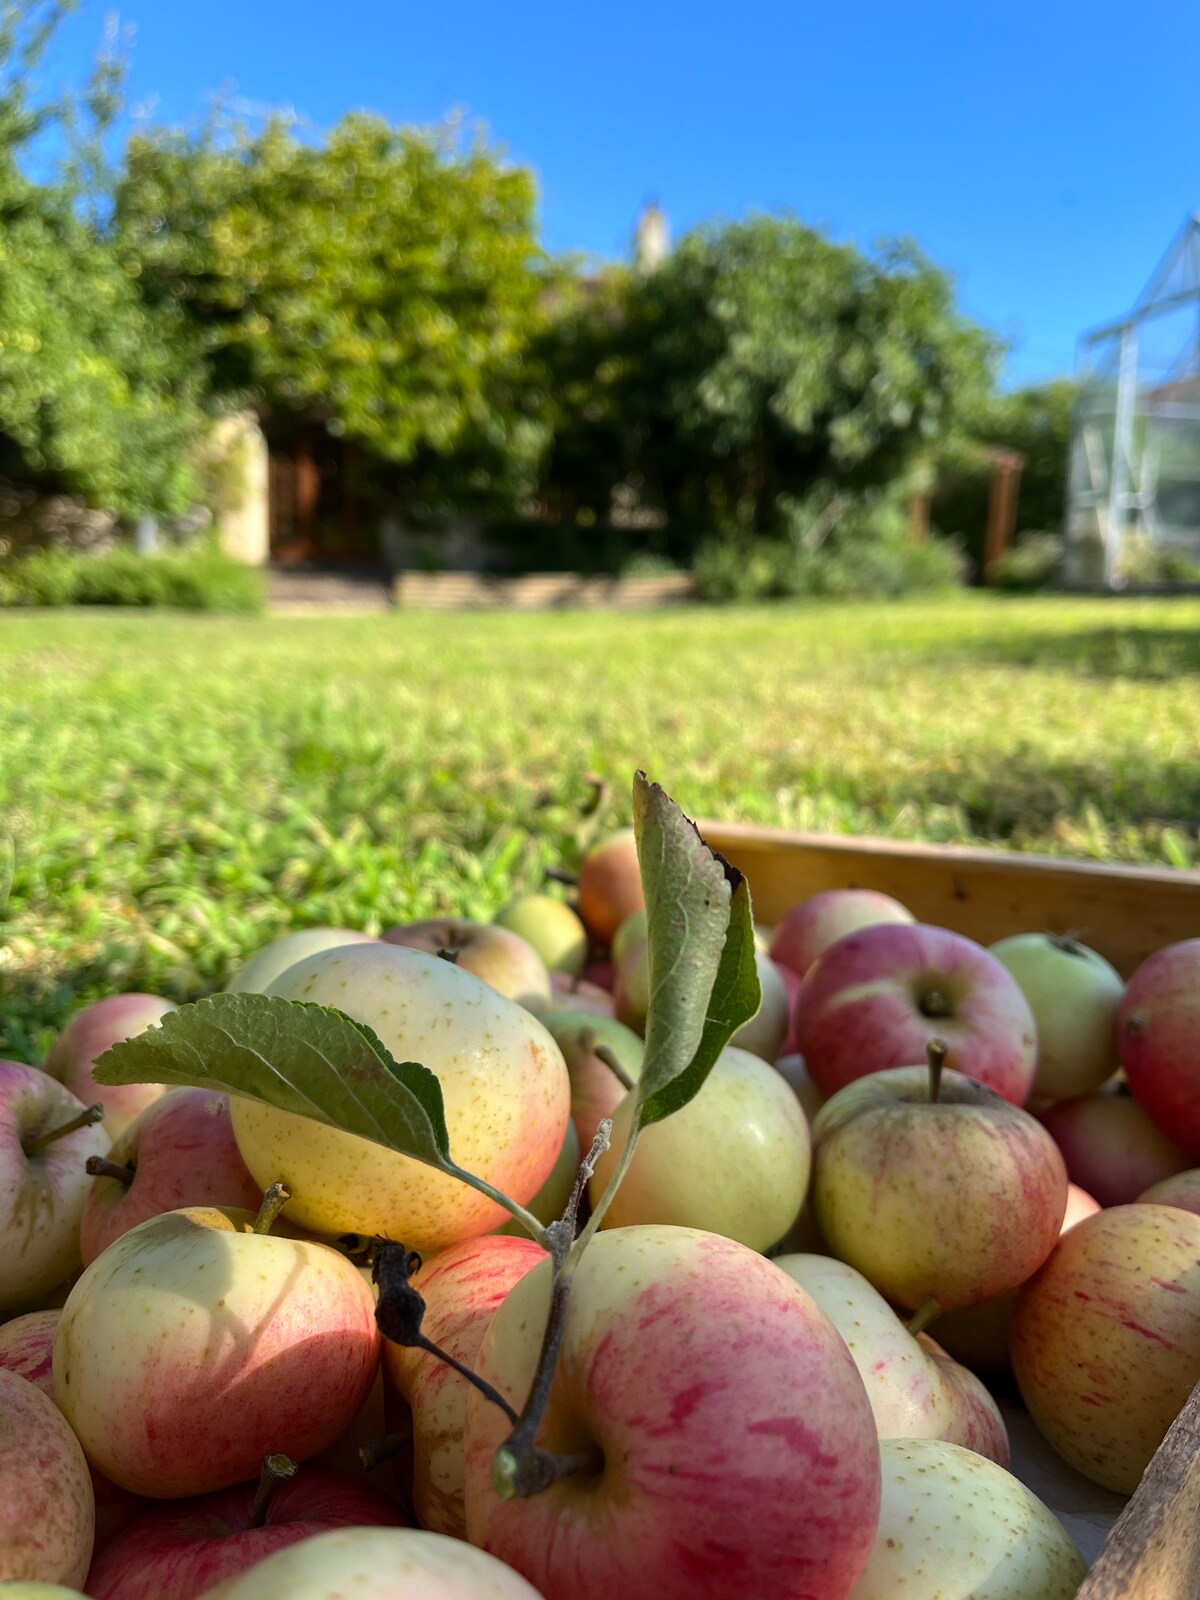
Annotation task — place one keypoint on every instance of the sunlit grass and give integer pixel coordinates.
(175, 791)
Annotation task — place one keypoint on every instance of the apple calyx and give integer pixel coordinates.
(604, 1053)
(923, 1316)
(85, 1119)
(936, 1052)
(932, 1003)
(401, 1308)
(451, 954)
(276, 1470)
(102, 1167)
(276, 1197)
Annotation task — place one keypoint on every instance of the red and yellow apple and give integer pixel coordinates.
(88, 1035)
(807, 930)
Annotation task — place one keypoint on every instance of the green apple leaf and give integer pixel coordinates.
(309, 1059)
(700, 931)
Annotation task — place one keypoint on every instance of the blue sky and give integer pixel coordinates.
(1044, 151)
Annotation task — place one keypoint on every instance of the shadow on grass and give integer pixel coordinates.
(1147, 655)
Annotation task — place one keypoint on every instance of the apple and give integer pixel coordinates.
(40, 1591)
(631, 984)
(379, 1564)
(43, 1182)
(1157, 1029)
(1073, 994)
(89, 1034)
(502, 959)
(179, 1152)
(575, 994)
(955, 1526)
(734, 1161)
(551, 927)
(808, 929)
(1111, 1147)
(734, 1446)
(764, 1034)
(792, 984)
(957, 1197)
(916, 1390)
(194, 1346)
(876, 998)
(504, 1083)
(977, 1336)
(272, 960)
(27, 1348)
(794, 1072)
(1105, 1339)
(549, 1203)
(462, 1289)
(610, 885)
(183, 1547)
(596, 1091)
(47, 1510)
(1182, 1190)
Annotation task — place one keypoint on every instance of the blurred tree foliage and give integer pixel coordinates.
(386, 281)
(1036, 422)
(759, 369)
(96, 396)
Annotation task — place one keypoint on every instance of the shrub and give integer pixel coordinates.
(773, 569)
(1034, 562)
(200, 579)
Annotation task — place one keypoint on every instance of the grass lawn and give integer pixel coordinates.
(175, 791)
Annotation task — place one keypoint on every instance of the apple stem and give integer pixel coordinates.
(377, 1451)
(450, 954)
(276, 1197)
(519, 1468)
(557, 875)
(102, 1167)
(936, 1052)
(923, 1315)
(400, 1309)
(1067, 943)
(276, 1470)
(85, 1119)
(604, 1053)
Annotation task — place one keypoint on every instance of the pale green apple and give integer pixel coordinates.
(632, 931)
(596, 1091)
(38, 1591)
(955, 1526)
(551, 927)
(549, 1203)
(764, 1034)
(1074, 995)
(272, 960)
(734, 1161)
(504, 1083)
(377, 1564)
(916, 1390)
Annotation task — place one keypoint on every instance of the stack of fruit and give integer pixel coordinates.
(591, 1252)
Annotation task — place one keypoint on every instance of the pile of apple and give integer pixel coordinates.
(197, 1399)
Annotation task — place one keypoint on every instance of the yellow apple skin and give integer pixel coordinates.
(504, 1083)
(47, 1508)
(1105, 1340)
(272, 960)
(39, 1591)
(958, 1200)
(549, 1203)
(734, 1161)
(193, 1347)
(916, 1390)
(462, 1289)
(955, 1526)
(377, 1564)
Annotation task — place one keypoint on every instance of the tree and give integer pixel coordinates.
(95, 398)
(762, 366)
(385, 282)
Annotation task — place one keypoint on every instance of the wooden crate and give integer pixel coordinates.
(1125, 913)
(1146, 1548)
